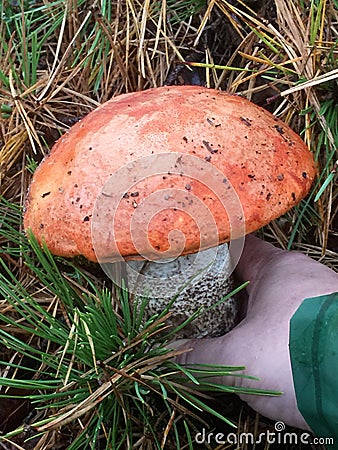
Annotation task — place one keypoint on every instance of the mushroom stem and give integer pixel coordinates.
(198, 280)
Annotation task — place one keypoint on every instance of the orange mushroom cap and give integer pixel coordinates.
(147, 167)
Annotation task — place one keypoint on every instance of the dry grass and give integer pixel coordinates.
(92, 56)
(62, 61)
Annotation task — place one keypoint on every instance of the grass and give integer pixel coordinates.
(58, 61)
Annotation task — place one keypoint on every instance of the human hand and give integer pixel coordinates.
(279, 282)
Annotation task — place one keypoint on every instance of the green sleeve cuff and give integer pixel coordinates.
(313, 346)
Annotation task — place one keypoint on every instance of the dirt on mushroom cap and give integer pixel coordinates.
(215, 142)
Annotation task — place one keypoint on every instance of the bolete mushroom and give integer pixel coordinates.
(168, 175)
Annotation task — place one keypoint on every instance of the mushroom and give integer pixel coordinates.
(169, 176)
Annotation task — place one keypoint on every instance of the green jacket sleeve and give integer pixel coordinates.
(313, 346)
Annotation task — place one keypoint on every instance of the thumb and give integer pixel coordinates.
(210, 351)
